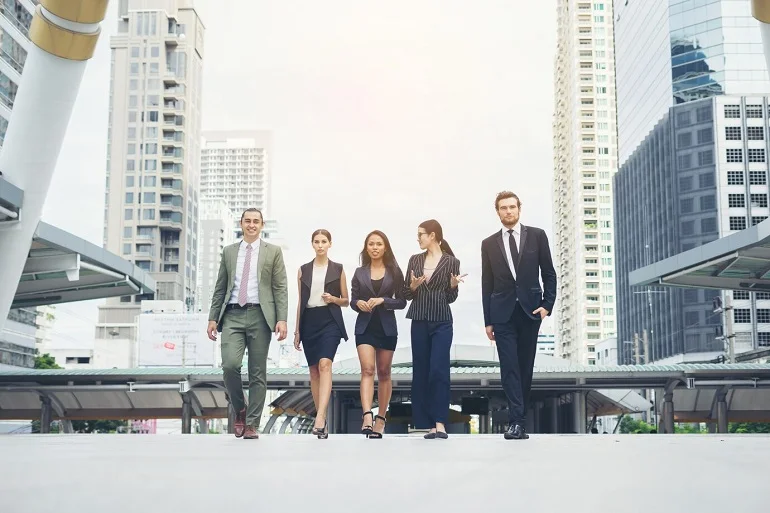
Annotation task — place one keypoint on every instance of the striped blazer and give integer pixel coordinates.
(430, 302)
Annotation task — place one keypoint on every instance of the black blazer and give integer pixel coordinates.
(430, 302)
(391, 290)
(332, 285)
(499, 291)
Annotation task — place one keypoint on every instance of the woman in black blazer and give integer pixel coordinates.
(432, 285)
(376, 291)
(320, 327)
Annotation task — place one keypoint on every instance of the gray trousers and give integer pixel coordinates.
(241, 329)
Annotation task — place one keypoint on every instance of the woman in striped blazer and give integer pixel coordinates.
(432, 280)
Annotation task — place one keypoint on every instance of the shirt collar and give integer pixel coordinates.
(254, 244)
(516, 229)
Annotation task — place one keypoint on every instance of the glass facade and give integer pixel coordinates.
(670, 52)
(671, 177)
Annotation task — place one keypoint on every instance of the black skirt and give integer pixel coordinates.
(320, 334)
(375, 336)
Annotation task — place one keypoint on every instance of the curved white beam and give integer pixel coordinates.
(41, 112)
(760, 9)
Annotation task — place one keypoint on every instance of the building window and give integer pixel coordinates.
(759, 200)
(703, 114)
(683, 118)
(684, 140)
(686, 205)
(708, 202)
(129, 198)
(741, 315)
(763, 315)
(708, 225)
(126, 249)
(691, 318)
(755, 220)
(754, 111)
(128, 214)
(762, 296)
(755, 133)
(688, 228)
(741, 295)
(733, 111)
(734, 155)
(685, 183)
(684, 161)
(756, 154)
(735, 178)
(129, 181)
(737, 223)
(736, 200)
(733, 133)
(706, 158)
(128, 232)
(706, 180)
(757, 178)
(763, 339)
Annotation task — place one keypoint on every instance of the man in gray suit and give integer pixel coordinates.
(246, 311)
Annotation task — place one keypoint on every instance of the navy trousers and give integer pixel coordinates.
(516, 342)
(431, 342)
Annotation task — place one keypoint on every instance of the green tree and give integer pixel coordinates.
(748, 427)
(633, 426)
(45, 361)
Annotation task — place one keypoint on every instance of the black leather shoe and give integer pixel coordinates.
(516, 432)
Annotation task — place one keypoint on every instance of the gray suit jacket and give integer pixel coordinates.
(273, 286)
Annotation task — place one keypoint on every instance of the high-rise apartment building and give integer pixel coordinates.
(584, 163)
(216, 232)
(235, 167)
(18, 337)
(151, 211)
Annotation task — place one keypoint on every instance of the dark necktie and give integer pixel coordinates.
(514, 250)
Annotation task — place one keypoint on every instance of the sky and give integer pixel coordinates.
(382, 116)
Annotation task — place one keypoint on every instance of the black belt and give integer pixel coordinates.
(239, 307)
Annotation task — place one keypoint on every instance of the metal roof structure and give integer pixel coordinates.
(161, 392)
(62, 268)
(740, 261)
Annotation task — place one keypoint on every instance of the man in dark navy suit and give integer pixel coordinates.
(512, 261)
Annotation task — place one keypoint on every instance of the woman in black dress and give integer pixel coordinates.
(322, 291)
(376, 291)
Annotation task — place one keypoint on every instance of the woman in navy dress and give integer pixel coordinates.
(432, 281)
(322, 293)
(376, 291)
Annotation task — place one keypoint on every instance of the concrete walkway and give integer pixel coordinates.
(398, 474)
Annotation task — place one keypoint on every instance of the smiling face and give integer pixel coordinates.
(321, 244)
(375, 247)
(251, 224)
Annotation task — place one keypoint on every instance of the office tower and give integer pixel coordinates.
(235, 167)
(670, 52)
(216, 232)
(672, 56)
(151, 212)
(18, 338)
(584, 163)
(701, 174)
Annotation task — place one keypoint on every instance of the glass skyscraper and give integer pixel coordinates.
(670, 52)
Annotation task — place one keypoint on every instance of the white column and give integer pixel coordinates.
(760, 9)
(62, 44)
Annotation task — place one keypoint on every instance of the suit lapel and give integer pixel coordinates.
(420, 265)
(262, 257)
(501, 245)
(307, 275)
(367, 272)
(232, 259)
(386, 282)
(523, 241)
(331, 275)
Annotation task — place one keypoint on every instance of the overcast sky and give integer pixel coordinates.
(382, 116)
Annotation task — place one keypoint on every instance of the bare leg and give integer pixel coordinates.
(384, 386)
(315, 379)
(366, 355)
(324, 391)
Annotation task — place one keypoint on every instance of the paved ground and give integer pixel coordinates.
(398, 474)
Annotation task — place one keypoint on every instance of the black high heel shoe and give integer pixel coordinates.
(323, 432)
(367, 430)
(375, 434)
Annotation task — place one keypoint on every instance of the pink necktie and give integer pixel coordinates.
(243, 292)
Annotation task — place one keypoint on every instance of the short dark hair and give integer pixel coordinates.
(505, 195)
(252, 209)
(323, 232)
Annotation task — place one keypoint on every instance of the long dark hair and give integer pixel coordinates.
(433, 226)
(388, 258)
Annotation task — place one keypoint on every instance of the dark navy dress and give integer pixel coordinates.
(321, 327)
(375, 335)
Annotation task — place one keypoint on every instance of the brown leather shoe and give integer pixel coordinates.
(250, 433)
(240, 423)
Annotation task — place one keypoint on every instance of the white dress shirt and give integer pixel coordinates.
(252, 290)
(507, 244)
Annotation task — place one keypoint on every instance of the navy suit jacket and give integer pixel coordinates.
(500, 292)
(391, 290)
